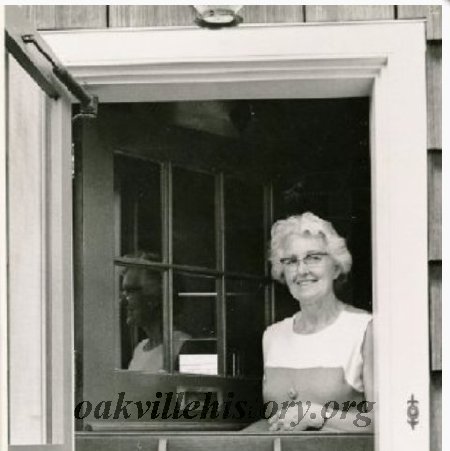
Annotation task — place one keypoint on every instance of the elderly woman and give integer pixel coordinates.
(317, 363)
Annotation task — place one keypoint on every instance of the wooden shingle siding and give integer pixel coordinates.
(45, 17)
(434, 94)
(333, 13)
(272, 13)
(436, 412)
(151, 15)
(435, 205)
(179, 15)
(435, 277)
(432, 13)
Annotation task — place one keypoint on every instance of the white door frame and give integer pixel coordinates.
(383, 60)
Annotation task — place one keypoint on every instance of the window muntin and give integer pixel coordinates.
(192, 207)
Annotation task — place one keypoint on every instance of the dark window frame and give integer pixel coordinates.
(219, 272)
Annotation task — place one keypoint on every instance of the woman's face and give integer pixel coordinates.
(309, 270)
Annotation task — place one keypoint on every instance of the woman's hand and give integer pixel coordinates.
(298, 417)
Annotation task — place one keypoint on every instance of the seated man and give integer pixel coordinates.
(142, 294)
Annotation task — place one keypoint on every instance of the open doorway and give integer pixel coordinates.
(183, 194)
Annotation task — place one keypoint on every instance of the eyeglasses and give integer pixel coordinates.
(310, 260)
(128, 291)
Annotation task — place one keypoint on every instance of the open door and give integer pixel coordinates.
(36, 269)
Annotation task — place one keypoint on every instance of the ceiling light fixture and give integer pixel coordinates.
(217, 16)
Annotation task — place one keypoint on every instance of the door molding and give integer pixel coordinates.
(383, 60)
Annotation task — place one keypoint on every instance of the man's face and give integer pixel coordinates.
(141, 292)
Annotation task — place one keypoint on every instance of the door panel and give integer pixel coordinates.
(39, 275)
(27, 262)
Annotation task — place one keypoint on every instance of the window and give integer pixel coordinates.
(189, 227)
(206, 209)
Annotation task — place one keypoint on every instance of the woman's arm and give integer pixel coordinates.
(355, 419)
(368, 365)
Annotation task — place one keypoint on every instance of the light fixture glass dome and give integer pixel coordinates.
(218, 15)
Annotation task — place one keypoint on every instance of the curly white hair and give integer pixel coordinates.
(309, 224)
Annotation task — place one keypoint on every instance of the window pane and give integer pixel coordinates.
(193, 218)
(245, 326)
(140, 319)
(244, 218)
(285, 304)
(194, 316)
(138, 203)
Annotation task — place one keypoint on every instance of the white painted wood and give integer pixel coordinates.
(399, 187)
(27, 269)
(292, 61)
(241, 62)
(39, 244)
(287, 89)
(61, 271)
(248, 42)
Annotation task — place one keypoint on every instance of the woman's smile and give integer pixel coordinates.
(308, 278)
(306, 282)
(303, 282)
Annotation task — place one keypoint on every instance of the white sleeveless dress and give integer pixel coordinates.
(318, 367)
